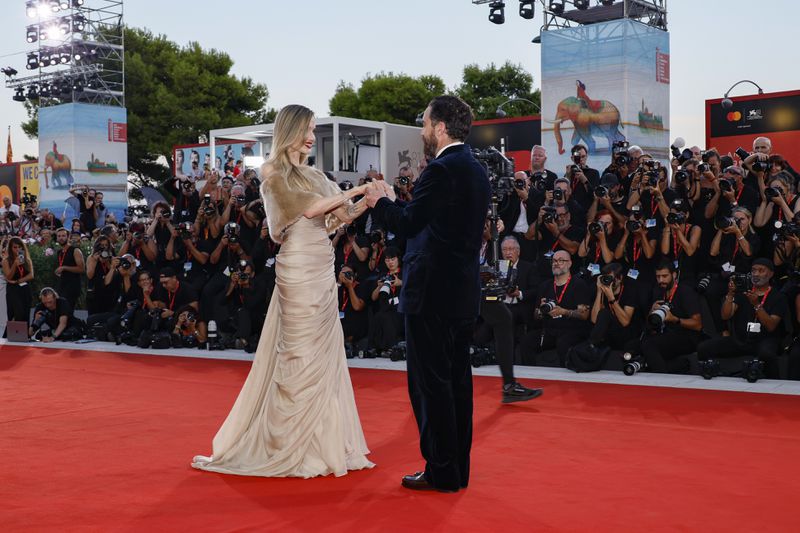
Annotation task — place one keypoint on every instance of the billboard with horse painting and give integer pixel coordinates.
(604, 83)
(83, 145)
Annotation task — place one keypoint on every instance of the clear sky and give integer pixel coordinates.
(301, 48)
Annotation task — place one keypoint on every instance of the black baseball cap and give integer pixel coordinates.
(167, 272)
(763, 261)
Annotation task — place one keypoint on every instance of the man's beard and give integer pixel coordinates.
(429, 146)
(559, 271)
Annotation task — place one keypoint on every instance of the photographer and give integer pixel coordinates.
(637, 250)
(26, 225)
(265, 252)
(124, 307)
(756, 312)
(208, 223)
(86, 205)
(187, 200)
(735, 243)
(607, 197)
(779, 204)
(236, 211)
(190, 255)
(597, 248)
(242, 308)
(172, 295)
(102, 289)
(351, 249)
(649, 189)
(48, 220)
(140, 246)
(9, 207)
(159, 231)
(554, 231)
(614, 311)
(680, 240)
(53, 319)
(18, 271)
(386, 325)
(222, 262)
(730, 192)
(353, 296)
(673, 323)
(252, 184)
(518, 213)
(538, 162)
(377, 239)
(70, 269)
(186, 334)
(403, 188)
(564, 303)
(583, 179)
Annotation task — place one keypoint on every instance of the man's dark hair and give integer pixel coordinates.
(579, 146)
(455, 113)
(667, 264)
(615, 269)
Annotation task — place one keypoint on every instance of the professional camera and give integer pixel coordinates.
(632, 363)
(346, 185)
(40, 321)
(762, 166)
(403, 181)
(519, 183)
(549, 216)
(558, 195)
(124, 264)
(101, 250)
(703, 167)
(375, 236)
(547, 307)
(397, 352)
(480, 356)
(658, 316)
(676, 218)
(187, 185)
(351, 230)
(787, 229)
(166, 213)
(101, 206)
(601, 191)
(240, 271)
(724, 222)
(703, 283)
(499, 168)
(348, 274)
(772, 192)
(633, 226)
(619, 150)
(709, 368)
(576, 158)
(130, 311)
(651, 179)
(28, 198)
(607, 279)
(240, 200)
(742, 282)
(231, 231)
(595, 228)
(681, 175)
(753, 370)
(542, 181)
(727, 185)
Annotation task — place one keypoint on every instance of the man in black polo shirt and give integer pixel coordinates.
(70, 268)
(564, 303)
(673, 322)
(58, 322)
(757, 319)
(555, 231)
(583, 179)
(173, 295)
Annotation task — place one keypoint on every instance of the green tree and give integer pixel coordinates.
(486, 88)
(175, 94)
(386, 97)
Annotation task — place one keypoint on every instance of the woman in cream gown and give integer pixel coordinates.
(296, 415)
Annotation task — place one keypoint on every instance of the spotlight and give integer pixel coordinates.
(606, 2)
(65, 88)
(55, 6)
(77, 3)
(19, 95)
(31, 9)
(581, 4)
(63, 28)
(500, 113)
(497, 12)
(33, 62)
(9, 71)
(557, 7)
(33, 93)
(77, 55)
(727, 103)
(64, 57)
(32, 34)
(526, 9)
(77, 85)
(45, 91)
(78, 23)
(64, 4)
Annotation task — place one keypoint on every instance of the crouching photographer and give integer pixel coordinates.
(104, 322)
(673, 325)
(241, 311)
(162, 304)
(386, 326)
(352, 305)
(53, 319)
(185, 334)
(614, 312)
(755, 311)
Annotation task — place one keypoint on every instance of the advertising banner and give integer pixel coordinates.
(604, 83)
(8, 183)
(29, 178)
(772, 115)
(185, 155)
(83, 144)
(517, 134)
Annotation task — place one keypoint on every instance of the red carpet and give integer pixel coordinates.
(102, 442)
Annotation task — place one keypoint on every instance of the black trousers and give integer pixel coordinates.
(766, 350)
(440, 388)
(385, 329)
(661, 350)
(607, 331)
(18, 301)
(538, 341)
(498, 321)
(69, 289)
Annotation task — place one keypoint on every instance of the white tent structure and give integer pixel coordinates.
(346, 147)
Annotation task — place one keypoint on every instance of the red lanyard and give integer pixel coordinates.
(653, 206)
(735, 250)
(172, 296)
(671, 294)
(346, 293)
(675, 241)
(62, 256)
(347, 254)
(555, 291)
(378, 259)
(103, 268)
(740, 194)
(637, 252)
(597, 251)
(239, 218)
(138, 252)
(21, 271)
(764, 298)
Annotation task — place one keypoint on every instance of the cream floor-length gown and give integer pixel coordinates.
(296, 414)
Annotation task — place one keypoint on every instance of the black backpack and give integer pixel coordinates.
(584, 357)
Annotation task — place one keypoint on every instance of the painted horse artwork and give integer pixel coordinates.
(61, 167)
(590, 118)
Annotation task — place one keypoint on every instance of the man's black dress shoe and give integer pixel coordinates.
(418, 482)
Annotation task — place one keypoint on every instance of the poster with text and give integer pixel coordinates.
(601, 84)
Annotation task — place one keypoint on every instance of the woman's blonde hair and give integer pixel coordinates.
(290, 130)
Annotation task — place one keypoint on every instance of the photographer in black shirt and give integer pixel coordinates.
(756, 312)
(353, 297)
(386, 326)
(615, 312)
(53, 319)
(673, 323)
(583, 179)
(242, 308)
(70, 268)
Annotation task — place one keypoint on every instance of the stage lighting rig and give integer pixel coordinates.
(502, 114)
(497, 14)
(19, 95)
(582, 5)
(526, 9)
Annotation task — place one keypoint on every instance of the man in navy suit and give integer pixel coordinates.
(441, 291)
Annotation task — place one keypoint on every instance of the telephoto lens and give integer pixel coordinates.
(709, 369)
(633, 364)
(547, 307)
(595, 228)
(633, 226)
(676, 218)
(607, 279)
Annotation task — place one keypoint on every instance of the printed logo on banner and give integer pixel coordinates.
(117, 132)
(662, 67)
(734, 116)
(754, 114)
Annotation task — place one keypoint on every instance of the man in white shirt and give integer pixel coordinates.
(9, 207)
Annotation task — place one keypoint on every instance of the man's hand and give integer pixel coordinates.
(166, 313)
(388, 189)
(374, 193)
(58, 271)
(47, 339)
(753, 298)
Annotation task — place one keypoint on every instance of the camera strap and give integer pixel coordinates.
(764, 298)
(557, 296)
(671, 294)
(637, 251)
(675, 245)
(172, 296)
(63, 255)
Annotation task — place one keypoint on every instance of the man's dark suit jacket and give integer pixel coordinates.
(444, 226)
